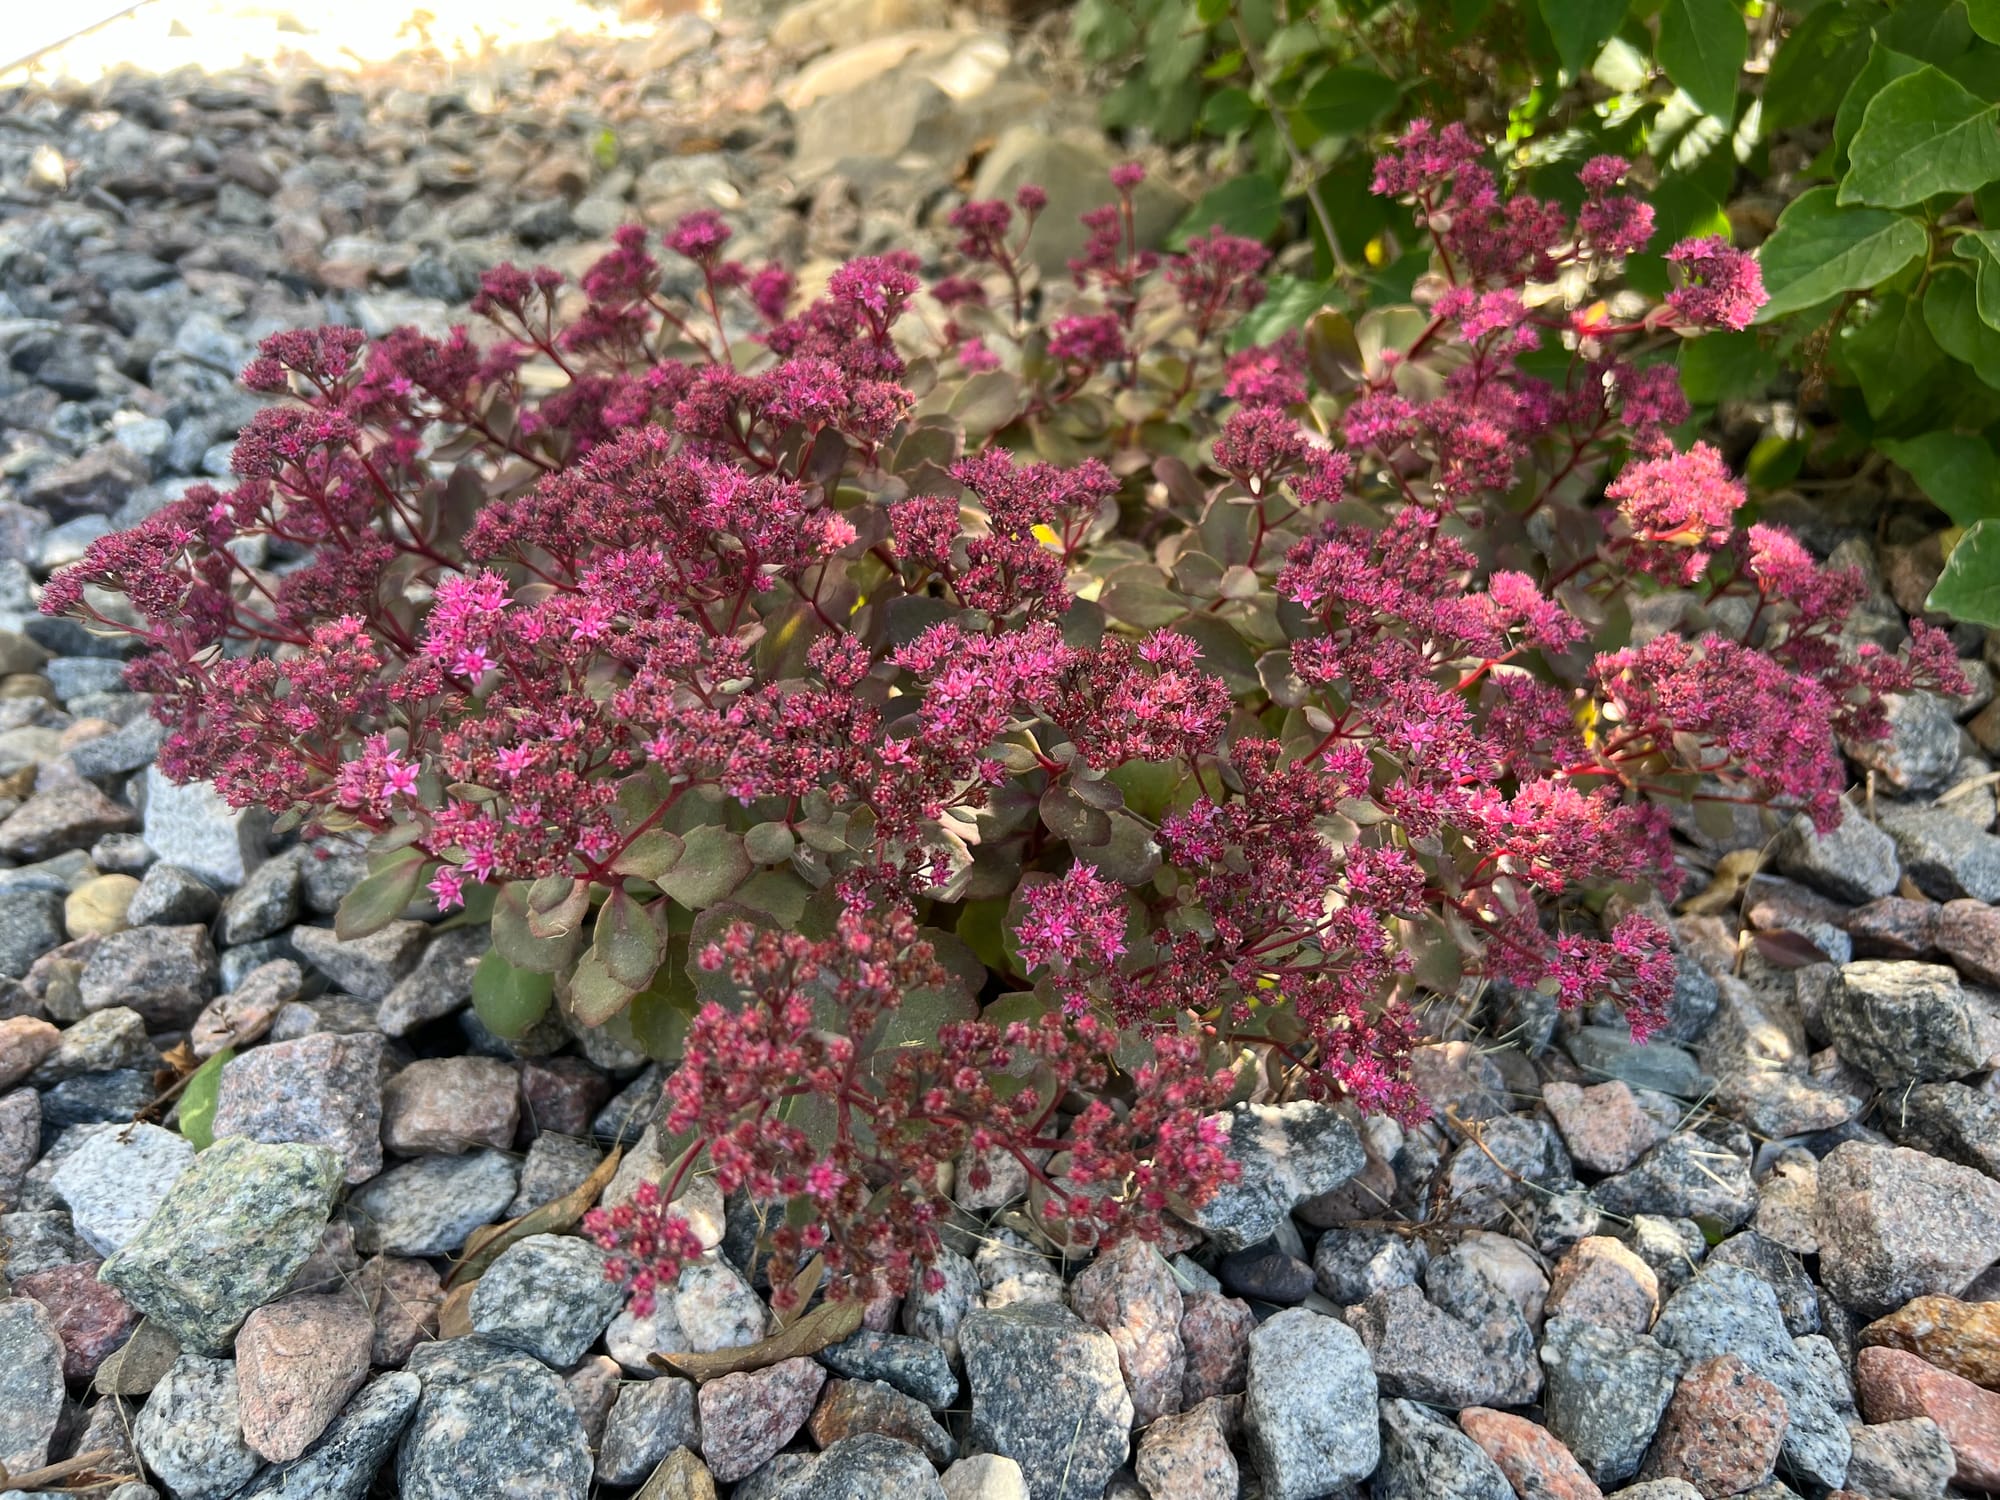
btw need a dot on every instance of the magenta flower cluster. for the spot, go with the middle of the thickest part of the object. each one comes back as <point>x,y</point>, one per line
<point>999,722</point>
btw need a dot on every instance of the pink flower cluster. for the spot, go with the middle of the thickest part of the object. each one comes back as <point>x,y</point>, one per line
<point>951,804</point>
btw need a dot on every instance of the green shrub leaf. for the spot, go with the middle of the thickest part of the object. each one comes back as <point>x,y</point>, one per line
<point>1985,16</point>
<point>381,895</point>
<point>1344,101</point>
<point>1982,248</point>
<point>712,864</point>
<point>1951,311</point>
<point>1821,249</point>
<point>1581,28</point>
<point>1925,133</point>
<point>1961,474</point>
<point>507,999</point>
<point>1817,63</point>
<point>1703,46</point>
<point>1250,206</point>
<point>1969,587</point>
<point>198,1100</point>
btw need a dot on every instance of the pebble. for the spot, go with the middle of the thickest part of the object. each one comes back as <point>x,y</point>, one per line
<point>190,1434</point>
<point>20,1142</point>
<point>748,1416</point>
<point>166,974</point>
<point>106,1041</point>
<point>1779,1269</point>
<point>912,1366</point>
<point>869,1466</point>
<point>1046,1392</point>
<point>1962,1337</point>
<point>297,1362</point>
<point>25,1041</point>
<point>1960,1124</point>
<point>266,902</point>
<point>1899,1021</point>
<point>848,1407</point>
<point>229,1235</point>
<point>560,1095</point>
<point>1130,1292</point>
<point>1686,1176</point>
<point>1188,1455</point>
<point>100,906</point>
<point>324,1090</point>
<point>65,817</point>
<point>91,1318</point>
<point>429,1206</point>
<point>403,1298</point>
<point>1854,863</point>
<point>1424,1354</point>
<point>343,1463</point>
<point>936,1315</point>
<point>1286,1154</point>
<point>191,826</point>
<point>985,1476</point>
<point>1906,1460</point>
<point>440,983</point>
<point>1309,1408</point>
<point>1601,1281</point>
<point>116,1178</point>
<point>546,1294</point>
<point>171,895</point>
<point>1460,1285</point>
<point>1894,1224</point>
<point>1895,1385</point>
<point>1350,1265</point>
<point>491,1422</point>
<point>1426,1458</point>
<point>448,1105</point>
<point>1265,1273</point>
<point>366,967</point>
<point>1531,1457</point>
<point>716,1308</point>
<point>1604,1126</point>
<point>1727,1310</point>
<point>1722,1430</point>
<point>1215,1342</point>
<point>647,1421</point>
<point>140,1363</point>
<point>31,1383</point>
<point>1605,1391</point>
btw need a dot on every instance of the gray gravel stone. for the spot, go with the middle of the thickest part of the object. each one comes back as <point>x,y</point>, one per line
<point>1960,1124</point>
<point>440,983</point>
<point>1895,1224</point>
<point>324,1090</point>
<point>429,1206</point>
<point>31,1383</point>
<point>1350,1265</point>
<point>366,967</point>
<point>869,1466</point>
<point>1426,1458</point>
<point>70,816</point>
<point>266,902</point>
<point>546,1294</point>
<point>31,923</point>
<point>1920,750</point>
<point>491,1422</point>
<point>1686,1176</point>
<point>1609,1052</point>
<point>1468,1286</point>
<point>193,827</point>
<point>1287,1153</point>
<point>1856,862</point>
<point>910,1365</point>
<point>114,1181</point>
<point>228,1237</point>
<point>104,1041</point>
<point>1903,1460</point>
<point>1726,1310</point>
<point>167,974</point>
<point>1047,1393</point>
<point>343,1463</point>
<point>1423,1354</point>
<point>1901,1022</point>
<point>171,896</point>
<point>97,1097</point>
<point>1605,1392</point>
<point>1309,1412</point>
<point>189,1433</point>
<point>649,1419</point>
<point>1945,855</point>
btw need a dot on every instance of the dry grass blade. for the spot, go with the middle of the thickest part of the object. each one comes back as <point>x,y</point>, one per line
<point>826,1324</point>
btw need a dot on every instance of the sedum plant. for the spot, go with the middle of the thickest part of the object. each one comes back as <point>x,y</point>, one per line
<point>955,720</point>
